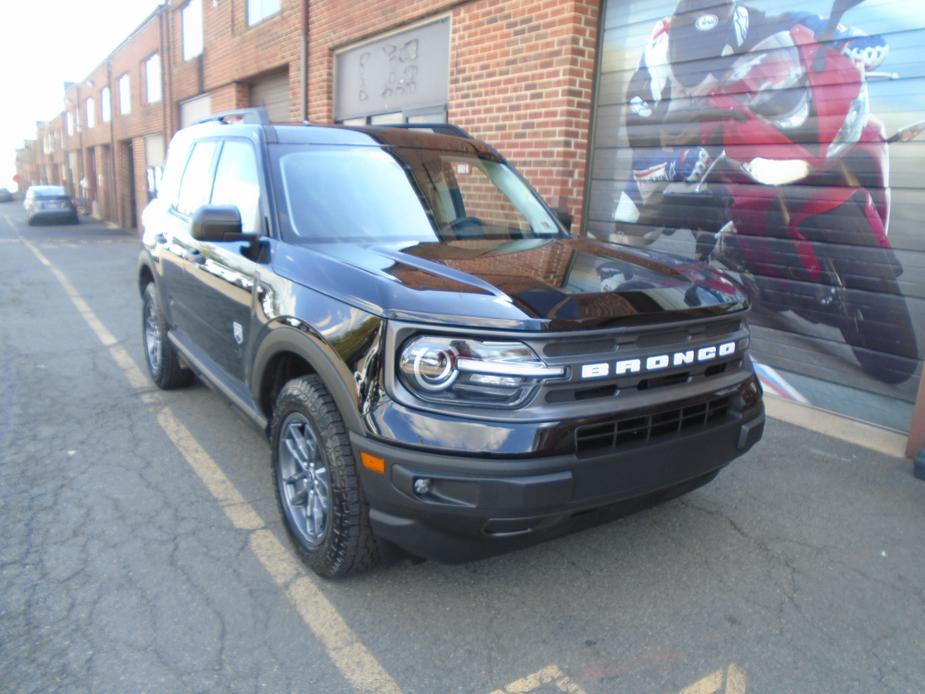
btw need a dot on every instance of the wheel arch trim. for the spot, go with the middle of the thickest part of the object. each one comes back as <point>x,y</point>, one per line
<point>323,360</point>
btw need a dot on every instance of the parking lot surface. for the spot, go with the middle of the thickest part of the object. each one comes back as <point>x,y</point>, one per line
<point>142,549</point>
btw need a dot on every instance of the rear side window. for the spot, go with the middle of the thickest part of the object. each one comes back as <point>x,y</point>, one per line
<point>237,182</point>
<point>196,185</point>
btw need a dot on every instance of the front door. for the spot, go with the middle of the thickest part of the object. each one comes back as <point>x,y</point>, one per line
<point>180,252</point>
<point>224,277</point>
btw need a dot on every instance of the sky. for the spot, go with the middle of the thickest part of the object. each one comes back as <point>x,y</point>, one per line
<point>45,43</point>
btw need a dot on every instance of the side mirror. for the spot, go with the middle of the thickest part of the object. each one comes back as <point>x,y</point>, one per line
<point>564,217</point>
<point>219,223</point>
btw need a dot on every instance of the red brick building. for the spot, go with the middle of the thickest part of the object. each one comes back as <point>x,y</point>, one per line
<point>520,75</point>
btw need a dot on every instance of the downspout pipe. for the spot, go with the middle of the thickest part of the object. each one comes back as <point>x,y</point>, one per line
<point>113,178</point>
<point>303,66</point>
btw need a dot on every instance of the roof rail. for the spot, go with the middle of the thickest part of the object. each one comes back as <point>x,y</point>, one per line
<point>256,116</point>
<point>439,128</point>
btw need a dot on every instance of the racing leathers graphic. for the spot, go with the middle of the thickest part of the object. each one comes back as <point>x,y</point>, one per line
<point>684,59</point>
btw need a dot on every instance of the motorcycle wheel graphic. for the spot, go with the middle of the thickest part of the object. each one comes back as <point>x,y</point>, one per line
<point>868,306</point>
<point>858,291</point>
<point>878,328</point>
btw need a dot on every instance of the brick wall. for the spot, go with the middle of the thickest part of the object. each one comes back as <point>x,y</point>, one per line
<point>234,54</point>
<point>521,76</point>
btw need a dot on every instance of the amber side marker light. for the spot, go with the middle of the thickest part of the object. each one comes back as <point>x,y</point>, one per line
<point>371,462</point>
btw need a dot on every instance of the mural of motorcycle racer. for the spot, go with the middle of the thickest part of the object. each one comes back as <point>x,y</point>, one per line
<point>756,129</point>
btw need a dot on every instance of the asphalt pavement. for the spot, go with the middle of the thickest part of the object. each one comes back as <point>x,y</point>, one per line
<point>801,568</point>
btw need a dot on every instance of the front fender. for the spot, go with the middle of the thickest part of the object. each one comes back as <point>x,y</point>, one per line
<point>297,338</point>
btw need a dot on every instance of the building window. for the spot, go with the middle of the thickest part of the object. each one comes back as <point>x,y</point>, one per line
<point>125,95</point>
<point>70,123</point>
<point>258,10</point>
<point>153,79</point>
<point>401,77</point>
<point>91,112</point>
<point>154,163</point>
<point>191,18</point>
<point>106,104</point>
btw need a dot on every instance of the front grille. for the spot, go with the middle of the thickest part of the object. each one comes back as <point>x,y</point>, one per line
<point>641,428</point>
<point>671,336</point>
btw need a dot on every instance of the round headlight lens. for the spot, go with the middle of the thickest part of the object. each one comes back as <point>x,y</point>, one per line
<point>430,364</point>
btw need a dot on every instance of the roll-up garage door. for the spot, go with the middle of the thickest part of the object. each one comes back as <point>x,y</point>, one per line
<point>272,93</point>
<point>786,148</point>
<point>195,109</point>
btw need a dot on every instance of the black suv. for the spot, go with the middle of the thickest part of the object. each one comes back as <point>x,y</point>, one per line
<point>437,363</point>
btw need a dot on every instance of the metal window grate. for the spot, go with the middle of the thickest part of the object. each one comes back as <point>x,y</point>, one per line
<point>639,429</point>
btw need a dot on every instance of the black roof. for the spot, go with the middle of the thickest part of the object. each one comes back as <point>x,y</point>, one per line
<point>442,136</point>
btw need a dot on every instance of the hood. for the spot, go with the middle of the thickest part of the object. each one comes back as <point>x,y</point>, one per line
<point>535,284</point>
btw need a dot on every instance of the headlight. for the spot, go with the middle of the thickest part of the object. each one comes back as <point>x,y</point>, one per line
<point>776,172</point>
<point>473,372</point>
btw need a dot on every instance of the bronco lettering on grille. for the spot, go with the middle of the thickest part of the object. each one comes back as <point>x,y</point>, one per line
<point>658,361</point>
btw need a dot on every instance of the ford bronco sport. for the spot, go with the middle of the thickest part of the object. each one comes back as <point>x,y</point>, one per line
<point>437,363</point>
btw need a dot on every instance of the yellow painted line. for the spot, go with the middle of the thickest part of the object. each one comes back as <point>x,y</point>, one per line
<point>837,426</point>
<point>735,680</point>
<point>713,683</point>
<point>548,675</point>
<point>710,684</point>
<point>355,662</point>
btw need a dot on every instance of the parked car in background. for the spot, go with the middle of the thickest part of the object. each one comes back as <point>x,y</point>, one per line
<point>5,195</point>
<point>49,203</point>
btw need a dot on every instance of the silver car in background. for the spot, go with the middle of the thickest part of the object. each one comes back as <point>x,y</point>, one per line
<point>49,203</point>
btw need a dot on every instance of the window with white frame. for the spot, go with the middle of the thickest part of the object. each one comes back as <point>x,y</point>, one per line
<point>106,104</point>
<point>69,117</point>
<point>91,112</point>
<point>125,95</point>
<point>191,18</point>
<point>258,10</point>
<point>153,79</point>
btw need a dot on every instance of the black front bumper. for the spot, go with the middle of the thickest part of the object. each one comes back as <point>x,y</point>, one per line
<point>477,507</point>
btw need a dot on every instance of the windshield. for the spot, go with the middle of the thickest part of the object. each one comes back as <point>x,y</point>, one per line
<point>47,191</point>
<point>364,194</point>
<point>771,81</point>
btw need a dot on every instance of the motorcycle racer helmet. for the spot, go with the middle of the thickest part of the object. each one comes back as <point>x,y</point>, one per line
<point>703,39</point>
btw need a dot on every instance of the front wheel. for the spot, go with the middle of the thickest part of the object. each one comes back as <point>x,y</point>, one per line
<point>316,482</point>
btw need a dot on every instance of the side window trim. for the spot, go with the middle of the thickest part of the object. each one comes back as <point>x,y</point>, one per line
<point>189,156</point>
<point>264,221</point>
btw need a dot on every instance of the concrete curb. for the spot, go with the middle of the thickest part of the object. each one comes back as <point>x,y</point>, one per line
<point>870,436</point>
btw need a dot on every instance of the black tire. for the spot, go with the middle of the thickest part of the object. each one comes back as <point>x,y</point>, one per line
<point>870,311</point>
<point>346,544</point>
<point>164,367</point>
<point>880,332</point>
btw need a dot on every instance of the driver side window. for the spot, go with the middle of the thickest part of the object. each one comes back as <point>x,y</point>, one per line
<point>197,178</point>
<point>237,183</point>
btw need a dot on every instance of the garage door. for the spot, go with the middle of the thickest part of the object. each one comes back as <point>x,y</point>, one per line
<point>195,109</point>
<point>758,136</point>
<point>273,94</point>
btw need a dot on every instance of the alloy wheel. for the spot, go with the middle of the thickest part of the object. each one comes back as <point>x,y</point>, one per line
<point>303,478</point>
